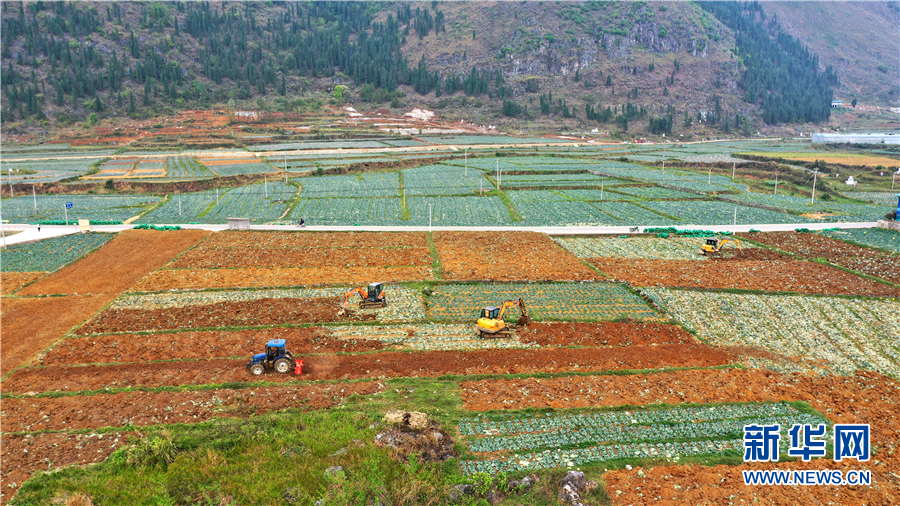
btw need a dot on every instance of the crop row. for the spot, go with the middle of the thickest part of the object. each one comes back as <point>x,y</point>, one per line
<point>457,211</point>
<point>49,254</point>
<point>629,433</point>
<point>881,198</point>
<point>185,166</point>
<point>576,457</point>
<point>207,207</point>
<point>704,212</point>
<point>405,304</point>
<point>552,301</point>
<point>876,237</point>
<point>349,211</point>
<point>243,168</point>
<point>316,145</point>
<point>529,442</point>
<point>652,248</point>
<point>359,185</point>
<point>842,334</point>
<point>93,207</point>
<point>443,180</point>
<point>46,171</point>
<point>512,424</point>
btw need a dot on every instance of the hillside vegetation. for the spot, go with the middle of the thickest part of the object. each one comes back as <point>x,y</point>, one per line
<point>637,67</point>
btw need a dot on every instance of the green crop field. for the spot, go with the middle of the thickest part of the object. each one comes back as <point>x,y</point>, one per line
<point>835,334</point>
<point>524,442</point>
<point>443,180</point>
<point>551,301</point>
<point>243,202</point>
<point>50,254</point>
<point>876,237</point>
<point>361,185</point>
<point>86,207</point>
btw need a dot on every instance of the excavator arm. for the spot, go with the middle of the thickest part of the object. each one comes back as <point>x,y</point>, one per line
<point>523,318</point>
<point>360,290</point>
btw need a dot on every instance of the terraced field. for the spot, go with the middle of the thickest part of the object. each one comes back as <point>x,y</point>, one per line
<point>641,366</point>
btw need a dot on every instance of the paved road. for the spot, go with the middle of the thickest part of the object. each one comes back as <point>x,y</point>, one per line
<point>29,233</point>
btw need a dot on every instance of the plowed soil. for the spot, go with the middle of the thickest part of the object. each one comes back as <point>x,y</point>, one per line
<point>507,256</point>
<point>266,311</point>
<point>150,408</point>
<point>866,260</point>
<point>12,281</point>
<point>864,398</point>
<point>603,334</point>
<point>778,276</point>
<point>197,345</point>
<point>32,324</point>
<point>370,365</point>
<point>267,258</point>
<point>197,279</point>
<point>355,241</point>
<point>118,264</point>
<point>22,456</point>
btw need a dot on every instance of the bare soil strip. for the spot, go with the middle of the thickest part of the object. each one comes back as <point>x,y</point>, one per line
<point>117,265</point>
<point>371,365</point>
<point>791,276</point>
<point>12,281</point>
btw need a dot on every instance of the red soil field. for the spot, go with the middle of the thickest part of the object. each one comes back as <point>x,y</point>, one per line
<point>604,334</point>
<point>268,258</point>
<point>511,256</point>
<point>198,279</point>
<point>863,398</point>
<point>791,276</point>
<point>151,408</point>
<point>30,325</point>
<point>12,281</point>
<point>385,364</point>
<point>251,240</point>
<point>198,345</point>
<point>238,313</point>
<point>118,264</point>
<point>22,456</point>
<point>866,260</point>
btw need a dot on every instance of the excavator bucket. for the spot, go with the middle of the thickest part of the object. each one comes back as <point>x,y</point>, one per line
<point>524,319</point>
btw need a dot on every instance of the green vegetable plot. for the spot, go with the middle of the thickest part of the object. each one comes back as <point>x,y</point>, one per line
<point>458,211</point>
<point>384,184</point>
<point>243,202</point>
<point>837,334</point>
<point>340,211</point>
<point>443,180</point>
<point>573,439</point>
<point>550,301</point>
<point>185,167</point>
<point>876,237</point>
<point>651,248</point>
<point>85,207</point>
<point>50,254</point>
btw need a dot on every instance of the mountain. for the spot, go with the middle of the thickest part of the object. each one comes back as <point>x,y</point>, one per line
<point>640,67</point>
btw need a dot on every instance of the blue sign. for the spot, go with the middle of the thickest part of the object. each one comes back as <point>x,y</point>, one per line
<point>69,205</point>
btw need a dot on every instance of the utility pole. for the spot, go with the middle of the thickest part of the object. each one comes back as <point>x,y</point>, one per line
<point>815,176</point>
<point>734,224</point>
<point>2,231</point>
<point>429,218</point>
<point>217,196</point>
<point>467,161</point>
<point>266,184</point>
<point>601,189</point>
<point>733,167</point>
<point>34,195</point>
<point>776,184</point>
<point>11,194</point>
<point>179,204</point>
<point>498,174</point>
<point>709,176</point>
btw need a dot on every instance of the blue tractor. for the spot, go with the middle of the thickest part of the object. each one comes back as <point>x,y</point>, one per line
<point>276,356</point>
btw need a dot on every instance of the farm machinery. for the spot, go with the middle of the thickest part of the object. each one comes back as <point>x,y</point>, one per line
<point>714,246</point>
<point>276,357</point>
<point>370,297</point>
<point>491,323</point>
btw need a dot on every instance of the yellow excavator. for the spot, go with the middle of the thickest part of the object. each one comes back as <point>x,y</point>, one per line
<point>490,321</point>
<point>370,297</point>
<point>714,246</point>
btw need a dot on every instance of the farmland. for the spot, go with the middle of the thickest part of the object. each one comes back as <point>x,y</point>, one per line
<point>641,352</point>
<point>85,207</point>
